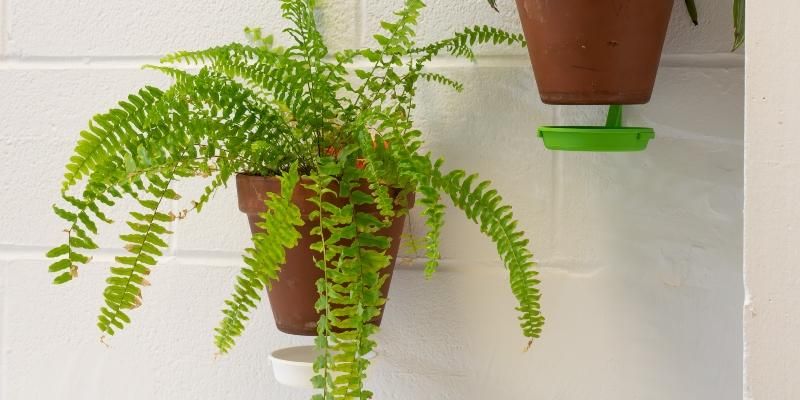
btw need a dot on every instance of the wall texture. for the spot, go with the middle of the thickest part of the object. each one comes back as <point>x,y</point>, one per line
<point>640,253</point>
<point>772,356</point>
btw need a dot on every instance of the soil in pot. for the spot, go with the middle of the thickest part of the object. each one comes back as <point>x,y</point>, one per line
<point>595,51</point>
<point>293,295</point>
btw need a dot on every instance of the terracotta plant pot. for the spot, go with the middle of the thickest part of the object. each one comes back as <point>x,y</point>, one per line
<point>293,295</point>
<point>595,51</point>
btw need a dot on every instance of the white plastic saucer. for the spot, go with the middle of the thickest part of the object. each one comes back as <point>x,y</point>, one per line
<point>294,366</point>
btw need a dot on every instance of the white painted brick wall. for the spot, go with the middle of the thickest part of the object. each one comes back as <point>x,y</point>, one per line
<point>640,252</point>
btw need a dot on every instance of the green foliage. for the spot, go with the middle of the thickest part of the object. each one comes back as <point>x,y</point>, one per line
<point>738,23</point>
<point>322,121</point>
<point>263,260</point>
<point>692,8</point>
<point>738,20</point>
<point>353,259</point>
<point>144,245</point>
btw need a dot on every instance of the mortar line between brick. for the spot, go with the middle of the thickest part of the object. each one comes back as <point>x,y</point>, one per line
<point>233,259</point>
<point>563,267</point>
<point>723,60</point>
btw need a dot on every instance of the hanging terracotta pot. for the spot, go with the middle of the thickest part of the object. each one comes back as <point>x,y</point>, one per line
<point>595,51</point>
<point>294,294</point>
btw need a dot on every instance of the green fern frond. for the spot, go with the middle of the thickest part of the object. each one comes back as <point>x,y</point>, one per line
<point>443,80</point>
<point>738,23</point>
<point>264,259</point>
<point>303,29</point>
<point>103,137</point>
<point>462,43</point>
<point>434,218</point>
<point>350,292</point>
<point>484,207</point>
<point>145,244</point>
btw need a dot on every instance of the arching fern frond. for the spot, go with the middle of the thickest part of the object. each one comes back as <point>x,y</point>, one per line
<point>462,43</point>
<point>443,80</point>
<point>107,135</point>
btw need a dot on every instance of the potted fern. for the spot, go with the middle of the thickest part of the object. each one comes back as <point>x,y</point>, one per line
<point>327,162</point>
<point>595,52</point>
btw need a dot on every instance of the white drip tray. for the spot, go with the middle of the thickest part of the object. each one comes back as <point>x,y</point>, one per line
<point>294,366</point>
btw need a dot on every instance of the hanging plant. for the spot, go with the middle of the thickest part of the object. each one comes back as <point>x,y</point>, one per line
<point>333,147</point>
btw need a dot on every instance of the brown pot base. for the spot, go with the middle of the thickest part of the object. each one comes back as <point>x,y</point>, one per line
<point>294,294</point>
<point>594,98</point>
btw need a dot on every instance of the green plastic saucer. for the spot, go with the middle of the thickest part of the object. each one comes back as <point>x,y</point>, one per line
<point>609,138</point>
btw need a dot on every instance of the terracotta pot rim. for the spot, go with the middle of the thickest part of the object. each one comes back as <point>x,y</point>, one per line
<point>273,184</point>
<point>275,178</point>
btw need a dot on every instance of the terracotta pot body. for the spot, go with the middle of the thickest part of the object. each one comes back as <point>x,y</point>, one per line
<point>293,295</point>
<point>595,51</point>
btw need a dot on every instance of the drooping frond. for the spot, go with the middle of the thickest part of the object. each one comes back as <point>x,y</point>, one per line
<point>354,257</point>
<point>264,259</point>
<point>434,219</point>
<point>144,244</point>
<point>484,206</point>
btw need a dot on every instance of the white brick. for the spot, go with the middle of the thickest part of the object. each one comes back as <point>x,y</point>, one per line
<point>465,341</point>
<point>714,34</point>
<point>42,113</point>
<point>702,103</point>
<point>681,105</point>
<point>169,344</point>
<point>152,28</point>
<point>678,202</point>
<point>481,131</point>
<point>219,227</point>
